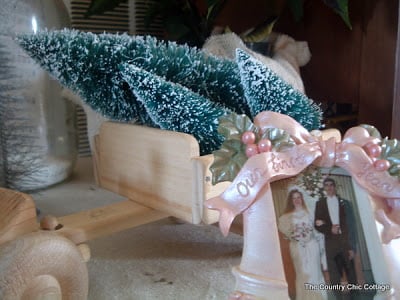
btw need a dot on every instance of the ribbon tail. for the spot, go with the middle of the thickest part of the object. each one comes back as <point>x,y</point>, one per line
<point>391,230</point>
<point>226,215</point>
<point>353,159</point>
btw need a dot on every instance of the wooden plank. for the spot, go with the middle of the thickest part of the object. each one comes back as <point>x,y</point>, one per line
<point>105,220</point>
<point>151,166</point>
<point>205,189</point>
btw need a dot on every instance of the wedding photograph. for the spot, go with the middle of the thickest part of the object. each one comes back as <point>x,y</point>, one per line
<point>323,244</point>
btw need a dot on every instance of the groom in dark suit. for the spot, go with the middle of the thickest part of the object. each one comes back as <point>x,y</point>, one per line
<point>334,218</point>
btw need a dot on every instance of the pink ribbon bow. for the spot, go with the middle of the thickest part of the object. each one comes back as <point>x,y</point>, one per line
<point>266,167</point>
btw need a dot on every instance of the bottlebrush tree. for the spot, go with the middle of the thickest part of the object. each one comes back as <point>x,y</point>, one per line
<point>108,71</point>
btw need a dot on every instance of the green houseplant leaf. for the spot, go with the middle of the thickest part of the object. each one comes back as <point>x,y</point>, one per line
<point>341,7</point>
<point>214,7</point>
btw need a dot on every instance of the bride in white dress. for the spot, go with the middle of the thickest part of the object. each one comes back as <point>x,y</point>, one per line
<point>297,225</point>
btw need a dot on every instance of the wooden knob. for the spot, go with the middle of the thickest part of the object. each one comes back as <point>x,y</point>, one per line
<point>49,223</point>
<point>85,251</point>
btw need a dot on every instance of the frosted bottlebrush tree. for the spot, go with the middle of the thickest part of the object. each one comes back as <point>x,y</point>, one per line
<point>110,72</point>
<point>175,107</point>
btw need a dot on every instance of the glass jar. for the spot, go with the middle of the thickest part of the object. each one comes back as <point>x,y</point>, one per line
<point>38,141</point>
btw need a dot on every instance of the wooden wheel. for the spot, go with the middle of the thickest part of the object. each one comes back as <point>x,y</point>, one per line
<point>17,215</point>
<point>42,265</point>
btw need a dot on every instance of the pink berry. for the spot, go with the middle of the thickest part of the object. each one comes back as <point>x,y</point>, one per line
<point>251,149</point>
<point>264,145</point>
<point>382,165</point>
<point>373,150</point>
<point>248,137</point>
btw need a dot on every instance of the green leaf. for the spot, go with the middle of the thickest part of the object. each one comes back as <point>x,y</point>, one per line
<point>391,152</point>
<point>341,7</point>
<point>212,2</point>
<point>231,157</point>
<point>394,170</point>
<point>371,130</point>
<point>214,8</point>
<point>228,161</point>
<point>390,148</point>
<point>261,32</point>
<point>232,126</point>
<point>279,138</point>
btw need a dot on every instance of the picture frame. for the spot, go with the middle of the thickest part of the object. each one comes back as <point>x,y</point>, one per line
<point>373,179</point>
<point>374,274</point>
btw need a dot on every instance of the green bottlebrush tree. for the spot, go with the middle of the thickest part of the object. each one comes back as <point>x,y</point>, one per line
<point>264,90</point>
<point>174,107</point>
<point>88,64</point>
<point>97,66</point>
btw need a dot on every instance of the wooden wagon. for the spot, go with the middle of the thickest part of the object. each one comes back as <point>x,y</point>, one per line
<point>159,172</point>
